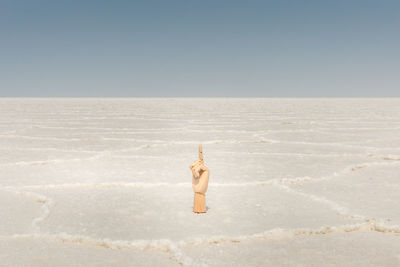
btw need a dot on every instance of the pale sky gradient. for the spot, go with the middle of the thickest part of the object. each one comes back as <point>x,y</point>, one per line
<point>207,48</point>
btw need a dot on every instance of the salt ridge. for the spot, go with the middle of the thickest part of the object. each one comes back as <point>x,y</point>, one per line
<point>175,248</point>
<point>283,181</point>
<point>165,143</point>
<point>168,246</point>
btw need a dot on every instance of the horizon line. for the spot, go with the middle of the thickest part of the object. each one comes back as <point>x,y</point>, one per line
<point>183,97</point>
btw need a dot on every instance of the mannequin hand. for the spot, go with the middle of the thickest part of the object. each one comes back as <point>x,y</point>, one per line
<point>198,169</point>
<point>200,176</point>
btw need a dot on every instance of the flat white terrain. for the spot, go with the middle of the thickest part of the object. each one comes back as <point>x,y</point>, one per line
<point>106,182</point>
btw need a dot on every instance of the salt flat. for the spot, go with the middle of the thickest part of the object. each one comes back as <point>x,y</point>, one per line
<point>106,182</point>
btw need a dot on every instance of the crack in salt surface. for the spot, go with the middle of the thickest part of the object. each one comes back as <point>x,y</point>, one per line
<point>261,139</point>
<point>341,210</point>
<point>168,246</point>
<point>370,225</point>
<point>46,204</point>
<point>283,181</point>
<point>280,183</point>
<point>175,248</point>
<point>161,245</point>
<point>47,162</point>
<point>110,153</point>
<point>164,143</point>
<point>352,168</point>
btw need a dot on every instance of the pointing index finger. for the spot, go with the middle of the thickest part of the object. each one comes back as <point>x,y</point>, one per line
<point>201,153</point>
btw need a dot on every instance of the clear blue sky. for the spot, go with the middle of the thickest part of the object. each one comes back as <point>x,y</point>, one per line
<point>200,48</point>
